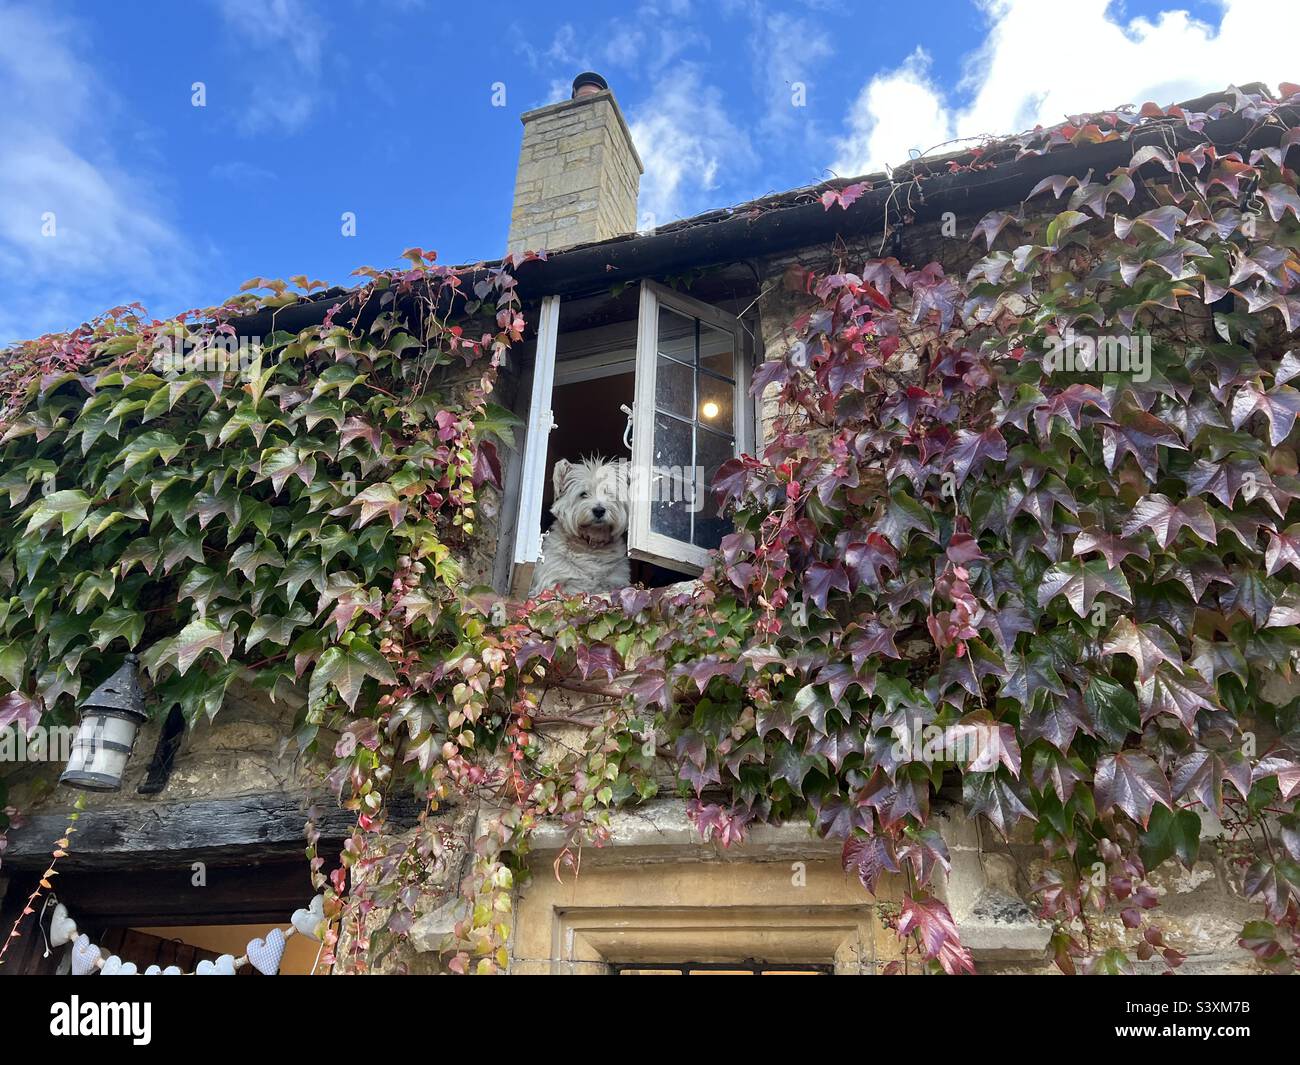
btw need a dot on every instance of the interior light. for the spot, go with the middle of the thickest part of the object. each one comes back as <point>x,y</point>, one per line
<point>709,409</point>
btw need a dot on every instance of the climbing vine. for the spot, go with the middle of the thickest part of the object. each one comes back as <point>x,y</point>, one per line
<point>1023,539</point>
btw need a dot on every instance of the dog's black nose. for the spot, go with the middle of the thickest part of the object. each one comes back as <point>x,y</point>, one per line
<point>597,512</point>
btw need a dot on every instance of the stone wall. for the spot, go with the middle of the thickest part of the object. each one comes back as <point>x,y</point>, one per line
<point>246,749</point>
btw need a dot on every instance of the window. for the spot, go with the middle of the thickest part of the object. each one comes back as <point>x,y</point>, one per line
<point>652,378</point>
<point>691,415</point>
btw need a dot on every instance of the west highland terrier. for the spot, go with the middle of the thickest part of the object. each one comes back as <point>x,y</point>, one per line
<point>585,550</point>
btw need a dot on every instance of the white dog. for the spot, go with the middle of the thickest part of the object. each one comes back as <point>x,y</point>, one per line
<point>585,550</point>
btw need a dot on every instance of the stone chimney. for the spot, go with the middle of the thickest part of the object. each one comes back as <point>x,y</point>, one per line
<point>579,172</point>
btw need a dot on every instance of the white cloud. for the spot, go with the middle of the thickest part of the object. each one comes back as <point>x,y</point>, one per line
<point>685,139</point>
<point>897,113</point>
<point>79,232</point>
<point>240,172</point>
<point>289,39</point>
<point>779,69</point>
<point>1041,62</point>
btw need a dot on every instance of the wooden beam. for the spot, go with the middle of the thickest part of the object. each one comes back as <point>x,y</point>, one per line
<point>245,894</point>
<point>149,835</point>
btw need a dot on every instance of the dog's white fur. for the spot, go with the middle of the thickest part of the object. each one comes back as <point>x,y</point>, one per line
<point>585,550</point>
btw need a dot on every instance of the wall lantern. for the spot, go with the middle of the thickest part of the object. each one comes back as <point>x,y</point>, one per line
<point>110,718</point>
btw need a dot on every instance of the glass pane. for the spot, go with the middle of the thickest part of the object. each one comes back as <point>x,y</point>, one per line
<point>714,450</point>
<point>714,411</point>
<point>716,351</point>
<point>674,387</point>
<point>670,510</point>
<point>676,336</point>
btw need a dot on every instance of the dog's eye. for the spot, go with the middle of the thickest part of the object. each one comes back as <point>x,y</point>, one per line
<point>583,495</point>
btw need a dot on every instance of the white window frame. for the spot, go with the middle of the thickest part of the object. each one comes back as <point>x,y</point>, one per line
<point>643,542</point>
<point>528,527</point>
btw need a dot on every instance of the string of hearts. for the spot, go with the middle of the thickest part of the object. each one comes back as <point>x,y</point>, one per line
<point>262,954</point>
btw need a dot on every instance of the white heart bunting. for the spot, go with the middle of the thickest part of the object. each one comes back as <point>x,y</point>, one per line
<point>265,954</point>
<point>223,966</point>
<point>308,921</point>
<point>115,966</point>
<point>63,929</point>
<point>84,956</point>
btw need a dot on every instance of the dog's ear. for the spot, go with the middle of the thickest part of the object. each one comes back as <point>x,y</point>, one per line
<point>560,474</point>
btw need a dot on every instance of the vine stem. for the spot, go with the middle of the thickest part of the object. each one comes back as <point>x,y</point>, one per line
<point>60,849</point>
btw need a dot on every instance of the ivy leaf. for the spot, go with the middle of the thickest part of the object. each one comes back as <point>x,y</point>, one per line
<point>1165,519</point>
<point>1081,583</point>
<point>1176,693</point>
<point>346,669</point>
<point>1056,720</point>
<point>991,225</point>
<point>1132,782</point>
<point>117,621</point>
<point>811,704</point>
<point>13,663</point>
<point>1112,548</point>
<point>1163,220</point>
<point>1148,645</point>
<point>70,506</point>
<point>650,689</point>
<point>1283,550</point>
<point>249,558</point>
<point>791,764</point>
<point>1279,405</point>
<point>820,578</point>
<point>1113,710</point>
<point>1200,775</point>
<point>21,709</point>
<point>933,924</point>
<point>868,560</point>
<point>1171,834</point>
<point>199,637</point>
<point>1141,435</point>
<point>379,499</point>
<point>1280,198</point>
<point>1032,675</point>
<point>987,794</point>
<point>275,629</point>
<point>970,451</point>
<point>1006,623</point>
<point>869,858</point>
<point>148,446</point>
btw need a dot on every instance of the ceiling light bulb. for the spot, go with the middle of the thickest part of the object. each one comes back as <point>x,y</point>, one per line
<point>709,409</point>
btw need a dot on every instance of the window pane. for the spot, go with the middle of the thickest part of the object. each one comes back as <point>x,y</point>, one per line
<point>670,512</point>
<point>714,411</point>
<point>713,450</point>
<point>676,336</point>
<point>675,388</point>
<point>716,354</point>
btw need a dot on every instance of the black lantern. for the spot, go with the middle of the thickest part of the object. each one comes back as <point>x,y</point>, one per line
<point>110,718</point>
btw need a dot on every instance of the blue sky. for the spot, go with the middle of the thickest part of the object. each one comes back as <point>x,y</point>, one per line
<point>115,187</point>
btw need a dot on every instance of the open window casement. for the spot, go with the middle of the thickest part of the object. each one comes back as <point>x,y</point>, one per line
<point>691,416</point>
<point>528,529</point>
<point>684,368</point>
